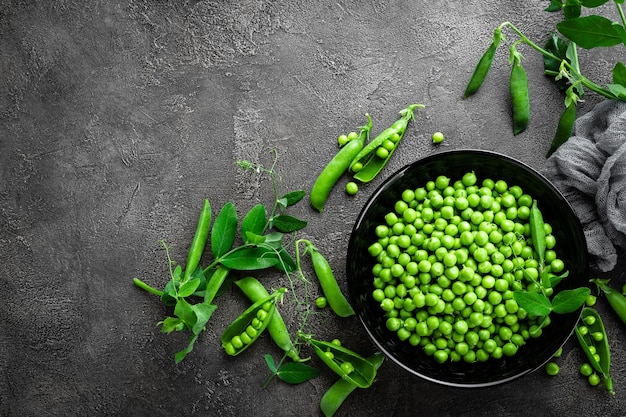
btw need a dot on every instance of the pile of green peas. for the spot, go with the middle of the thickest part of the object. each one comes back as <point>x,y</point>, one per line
<point>448,260</point>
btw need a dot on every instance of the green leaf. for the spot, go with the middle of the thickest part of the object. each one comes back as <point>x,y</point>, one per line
<point>253,223</point>
<point>617,89</point>
<point>592,31</point>
<point>296,372</point>
<point>189,287</point>
<point>184,310</point>
<point>555,6</point>
<point>253,238</point>
<point>286,262</point>
<point>269,360</point>
<point>619,74</point>
<point>171,324</point>
<point>247,258</point>
<point>224,230</point>
<point>288,224</point>
<point>203,313</point>
<point>183,353</point>
<point>533,302</point>
<point>593,3</point>
<point>291,198</point>
<point>568,301</point>
<point>555,279</point>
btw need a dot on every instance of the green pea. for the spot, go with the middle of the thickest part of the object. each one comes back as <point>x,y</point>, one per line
<point>352,188</point>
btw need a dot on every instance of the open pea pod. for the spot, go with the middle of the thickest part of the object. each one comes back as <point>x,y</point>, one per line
<point>592,321</point>
<point>350,366</point>
<point>375,155</point>
<point>341,389</point>
<point>246,328</point>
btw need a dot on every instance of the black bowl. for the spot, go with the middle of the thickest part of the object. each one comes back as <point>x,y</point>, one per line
<point>571,248</point>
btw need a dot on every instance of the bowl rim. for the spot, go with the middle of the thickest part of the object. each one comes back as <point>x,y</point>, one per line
<point>382,187</point>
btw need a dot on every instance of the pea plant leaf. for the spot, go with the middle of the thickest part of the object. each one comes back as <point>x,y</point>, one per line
<point>224,230</point>
<point>287,224</point>
<point>296,372</point>
<point>568,301</point>
<point>189,287</point>
<point>291,198</point>
<point>291,372</point>
<point>619,81</point>
<point>203,313</point>
<point>593,3</point>
<point>533,302</point>
<point>592,31</point>
<point>253,223</point>
<point>557,47</point>
<point>247,258</point>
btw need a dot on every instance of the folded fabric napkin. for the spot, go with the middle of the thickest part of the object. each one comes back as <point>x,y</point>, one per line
<point>590,170</point>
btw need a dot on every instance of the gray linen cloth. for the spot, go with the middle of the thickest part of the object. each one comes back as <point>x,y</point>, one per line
<point>590,170</point>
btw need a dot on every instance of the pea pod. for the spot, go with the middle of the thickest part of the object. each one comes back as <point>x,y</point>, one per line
<point>586,341</point>
<point>520,101</point>
<point>246,328</point>
<point>360,371</point>
<point>537,232</point>
<point>340,390</point>
<point>199,240</point>
<point>335,298</point>
<point>370,161</point>
<point>255,291</point>
<point>337,166</point>
<point>564,128</point>
<point>616,299</point>
<point>481,70</point>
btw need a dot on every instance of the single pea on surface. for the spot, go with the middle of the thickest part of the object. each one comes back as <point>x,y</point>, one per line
<point>321,302</point>
<point>552,368</point>
<point>352,188</point>
<point>438,137</point>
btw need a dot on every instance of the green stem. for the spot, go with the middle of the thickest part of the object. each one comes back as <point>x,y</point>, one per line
<point>146,287</point>
<point>621,13</point>
<point>584,80</point>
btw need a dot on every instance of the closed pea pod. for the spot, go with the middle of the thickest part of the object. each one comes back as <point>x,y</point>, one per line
<point>349,365</point>
<point>199,240</point>
<point>336,167</point>
<point>334,397</point>
<point>520,101</point>
<point>616,299</point>
<point>564,128</point>
<point>233,340</point>
<point>596,348</point>
<point>335,298</point>
<point>482,69</point>
<point>276,327</point>
<point>371,158</point>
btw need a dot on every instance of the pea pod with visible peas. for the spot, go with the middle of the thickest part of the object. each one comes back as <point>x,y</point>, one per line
<point>592,338</point>
<point>246,328</point>
<point>375,155</point>
<point>334,297</point>
<point>520,101</point>
<point>616,299</point>
<point>349,365</point>
<point>337,166</point>
<point>256,292</point>
<point>340,390</point>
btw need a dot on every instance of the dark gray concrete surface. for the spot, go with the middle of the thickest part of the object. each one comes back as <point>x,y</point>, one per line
<point>118,117</point>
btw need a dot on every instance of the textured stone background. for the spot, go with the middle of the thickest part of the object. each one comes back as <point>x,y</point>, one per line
<point>118,117</point>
